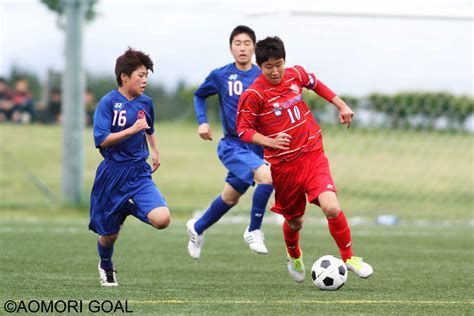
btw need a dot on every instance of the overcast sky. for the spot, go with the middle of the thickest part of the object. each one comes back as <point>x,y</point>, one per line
<point>187,39</point>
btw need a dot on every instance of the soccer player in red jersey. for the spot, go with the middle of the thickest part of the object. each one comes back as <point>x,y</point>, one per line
<point>272,113</point>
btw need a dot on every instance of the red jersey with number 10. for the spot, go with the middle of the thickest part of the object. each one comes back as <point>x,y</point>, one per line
<point>272,109</point>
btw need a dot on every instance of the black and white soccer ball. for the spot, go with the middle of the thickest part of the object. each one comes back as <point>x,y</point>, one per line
<point>329,273</point>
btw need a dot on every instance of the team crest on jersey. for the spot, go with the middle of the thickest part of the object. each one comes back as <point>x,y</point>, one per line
<point>277,109</point>
<point>294,87</point>
<point>118,105</point>
<point>233,77</point>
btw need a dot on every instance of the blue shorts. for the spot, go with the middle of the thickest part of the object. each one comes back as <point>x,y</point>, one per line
<point>240,159</point>
<point>114,185</point>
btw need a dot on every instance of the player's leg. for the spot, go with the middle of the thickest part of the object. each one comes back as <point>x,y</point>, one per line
<point>290,201</point>
<point>321,191</point>
<point>253,234</point>
<point>160,217</point>
<point>291,234</point>
<point>149,206</point>
<point>221,205</point>
<point>261,195</point>
<point>105,247</point>
<point>337,222</point>
<point>106,217</point>
<point>340,231</point>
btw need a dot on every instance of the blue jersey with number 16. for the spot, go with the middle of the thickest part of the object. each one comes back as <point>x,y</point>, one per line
<point>114,114</point>
<point>229,83</point>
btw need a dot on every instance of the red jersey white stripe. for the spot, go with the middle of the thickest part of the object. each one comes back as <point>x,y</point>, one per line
<point>272,109</point>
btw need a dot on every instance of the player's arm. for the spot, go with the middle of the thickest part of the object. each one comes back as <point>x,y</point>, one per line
<point>281,141</point>
<point>103,137</point>
<point>115,138</point>
<point>206,89</point>
<point>345,112</point>
<point>155,151</point>
<point>247,109</point>
<point>310,81</point>
<point>204,129</point>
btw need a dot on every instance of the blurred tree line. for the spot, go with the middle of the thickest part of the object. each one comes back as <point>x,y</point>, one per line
<point>407,109</point>
<point>423,110</point>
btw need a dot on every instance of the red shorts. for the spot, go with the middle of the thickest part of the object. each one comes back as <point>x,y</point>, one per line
<point>307,175</point>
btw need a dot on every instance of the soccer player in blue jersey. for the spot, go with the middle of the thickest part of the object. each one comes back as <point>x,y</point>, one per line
<point>243,161</point>
<point>123,125</point>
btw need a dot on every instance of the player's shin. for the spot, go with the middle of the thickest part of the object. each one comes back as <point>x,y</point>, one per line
<point>215,211</point>
<point>291,240</point>
<point>339,229</point>
<point>105,255</point>
<point>260,199</point>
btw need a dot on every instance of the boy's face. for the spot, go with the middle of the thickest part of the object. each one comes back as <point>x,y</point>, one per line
<point>136,83</point>
<point>21,86</point>
<point>273,70</point>
<point>242,49</point>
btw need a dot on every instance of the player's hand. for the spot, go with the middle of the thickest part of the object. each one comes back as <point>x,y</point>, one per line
<point>139,125</point>
<point>345,115</point>
<point>281,141</point>
<point>155,160</point>
<point>204,131</point>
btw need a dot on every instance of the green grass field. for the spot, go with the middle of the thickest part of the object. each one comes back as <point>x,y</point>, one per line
<point>414,175</point>
<point>423,265</point>
<point>418,269</point>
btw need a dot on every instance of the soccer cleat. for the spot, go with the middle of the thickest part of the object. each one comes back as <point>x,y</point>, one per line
<point>296,268</point>
<point>359,267</point>
<point>196,241</point>
<point>255,239</point>
<point>107,278</point>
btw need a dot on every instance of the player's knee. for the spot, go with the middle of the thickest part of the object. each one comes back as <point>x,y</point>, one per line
<point>160,218</point>
<point>160,223</point>
<point>331,211</point>
<point>266,179</point>
<point>263,175</point>
<point>108,241</point>
<point>230,200</point>
<point>296,225</point>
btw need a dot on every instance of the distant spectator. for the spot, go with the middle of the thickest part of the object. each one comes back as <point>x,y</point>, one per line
<point>23,107</point>
<point>6,101</point>
<point>51,113</point>
<point>91,104</point>
<point>54,105</point>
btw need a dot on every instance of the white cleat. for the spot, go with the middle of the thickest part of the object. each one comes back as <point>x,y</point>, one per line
<point>296,268</point>
<point>196,241</point>
<point>256,239</point>
<point>359,267</point>
<point>107,278</point>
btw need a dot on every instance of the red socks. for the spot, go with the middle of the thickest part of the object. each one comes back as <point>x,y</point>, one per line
<point>341,233</point>
<point>291,240</point>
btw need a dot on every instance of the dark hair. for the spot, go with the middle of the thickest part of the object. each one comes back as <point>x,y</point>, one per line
<point>269,48</point>
<point>129,62</point>
<point>242,29</point>
<point>55,90</point>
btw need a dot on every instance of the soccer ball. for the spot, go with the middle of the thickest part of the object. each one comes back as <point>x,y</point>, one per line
<point>329,273</point>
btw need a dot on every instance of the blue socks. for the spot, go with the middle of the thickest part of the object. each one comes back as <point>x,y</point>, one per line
<point>105,255</point>
<point>217,209</point>
<point>260,199</point>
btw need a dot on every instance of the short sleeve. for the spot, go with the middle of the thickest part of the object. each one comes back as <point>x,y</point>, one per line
<point>102,122</point>
<point>308,80</point>
<point>151,120</point>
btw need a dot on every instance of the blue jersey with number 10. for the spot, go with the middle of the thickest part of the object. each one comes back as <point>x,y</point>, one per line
<point>229,83</point>
<point>114,114</point>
